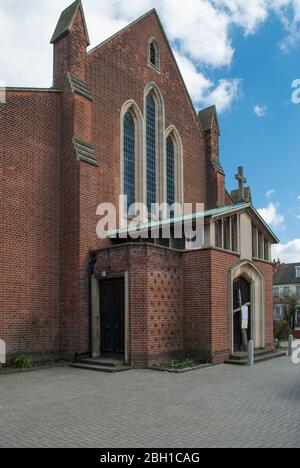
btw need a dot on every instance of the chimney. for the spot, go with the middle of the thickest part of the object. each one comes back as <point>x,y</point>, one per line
<point>216,194</point>
<point>70,41</point>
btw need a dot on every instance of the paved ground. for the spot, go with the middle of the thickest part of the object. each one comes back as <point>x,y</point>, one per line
<point>222,406</point>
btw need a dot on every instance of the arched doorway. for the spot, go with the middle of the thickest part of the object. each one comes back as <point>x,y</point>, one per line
<point>241,296</point>
<point>251,282</point>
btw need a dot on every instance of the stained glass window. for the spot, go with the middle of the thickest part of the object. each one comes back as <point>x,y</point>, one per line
<point>129,158</point>
<point>170,172</point>
<point>151,151</point>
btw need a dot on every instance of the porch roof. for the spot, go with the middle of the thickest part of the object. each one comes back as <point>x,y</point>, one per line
<point>216,212</point>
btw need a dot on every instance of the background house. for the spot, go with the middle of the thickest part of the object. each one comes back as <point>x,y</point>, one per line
<point>286,286</point>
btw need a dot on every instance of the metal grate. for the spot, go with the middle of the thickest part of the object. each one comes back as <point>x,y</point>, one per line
<point>129,159</point>
<point>151,151</point>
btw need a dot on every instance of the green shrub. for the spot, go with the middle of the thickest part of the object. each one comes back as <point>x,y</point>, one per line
<point>281,331</point>
<point>181,364</point>
<point>22,362</point>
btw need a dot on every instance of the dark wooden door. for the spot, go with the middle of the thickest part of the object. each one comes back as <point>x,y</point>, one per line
<point>241,284</point>
<point>112,315</point>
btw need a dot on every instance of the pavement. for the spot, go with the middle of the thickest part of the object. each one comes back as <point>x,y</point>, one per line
<point>223,406</point>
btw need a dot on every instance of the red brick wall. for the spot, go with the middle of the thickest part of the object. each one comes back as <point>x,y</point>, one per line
<point>118,71</point>
<point>79,181</point>
<point>29,213</point>
<point>197,300</point>
<point>221,264</point>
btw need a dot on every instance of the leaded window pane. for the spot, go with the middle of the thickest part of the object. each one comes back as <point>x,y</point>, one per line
<point>170,172</point>
<point>151,151</point>
<point>129,159</point>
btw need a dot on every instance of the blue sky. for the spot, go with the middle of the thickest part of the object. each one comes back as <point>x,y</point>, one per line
<point>268,146</point>
<point>240,55</point>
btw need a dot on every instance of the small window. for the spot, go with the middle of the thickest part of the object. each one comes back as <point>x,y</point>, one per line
<point>254,241</point>
<point>226,233</point>
<point>218,234</point>
<point>298,272</point>
<point>276,292</point>
<point>234,234</point>
<point>298,318</point>
<point>287,292</point>
<point>260,245</point>
<point>154,55</point>
<point>298,291</point>
<point>266,250</point>
<point>278,313</point>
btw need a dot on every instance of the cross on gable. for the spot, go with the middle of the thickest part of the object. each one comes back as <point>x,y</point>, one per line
<point>242,181</point>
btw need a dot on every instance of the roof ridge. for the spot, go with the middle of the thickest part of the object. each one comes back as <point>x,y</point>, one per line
<point>132,23</point>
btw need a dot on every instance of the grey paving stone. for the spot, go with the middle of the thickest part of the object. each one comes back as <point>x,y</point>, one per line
<point>222,406</point>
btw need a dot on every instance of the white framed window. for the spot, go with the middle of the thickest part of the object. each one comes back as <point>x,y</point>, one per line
<point>276,292</point>
<point>297,271</point>
<point>154,54</point>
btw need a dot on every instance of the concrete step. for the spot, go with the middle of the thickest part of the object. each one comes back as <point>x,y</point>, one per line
<point>103,362</point>
<point>98,368</point>
<point>241,356</point>
<point>257,359</point>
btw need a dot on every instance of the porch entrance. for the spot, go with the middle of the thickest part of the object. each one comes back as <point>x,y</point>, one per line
<point>112,316</point>
<point>241,296</point>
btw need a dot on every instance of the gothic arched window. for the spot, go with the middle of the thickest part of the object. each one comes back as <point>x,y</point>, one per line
<point>151,150</point>
<point>129,158</point>
<point>154,54</point>
<point>170,171</point>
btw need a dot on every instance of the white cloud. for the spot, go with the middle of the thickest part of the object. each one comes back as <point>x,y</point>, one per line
<point>203,91</point>
<point>260,111</point>
<point>224,94</point>
<point>287,253</point>
<point>298,198</point>
<point>201,28</point>
<point>201,31</point>
<point>270,193</point>
<point>248,14</point>
<point>271,215</point>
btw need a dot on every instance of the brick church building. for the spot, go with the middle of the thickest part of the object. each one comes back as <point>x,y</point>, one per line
<point>119,120</point>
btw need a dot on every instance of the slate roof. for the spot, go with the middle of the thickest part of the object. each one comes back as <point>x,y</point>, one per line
<point>207,116</point>
<point>65,22</point>
<point>286,274</point>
